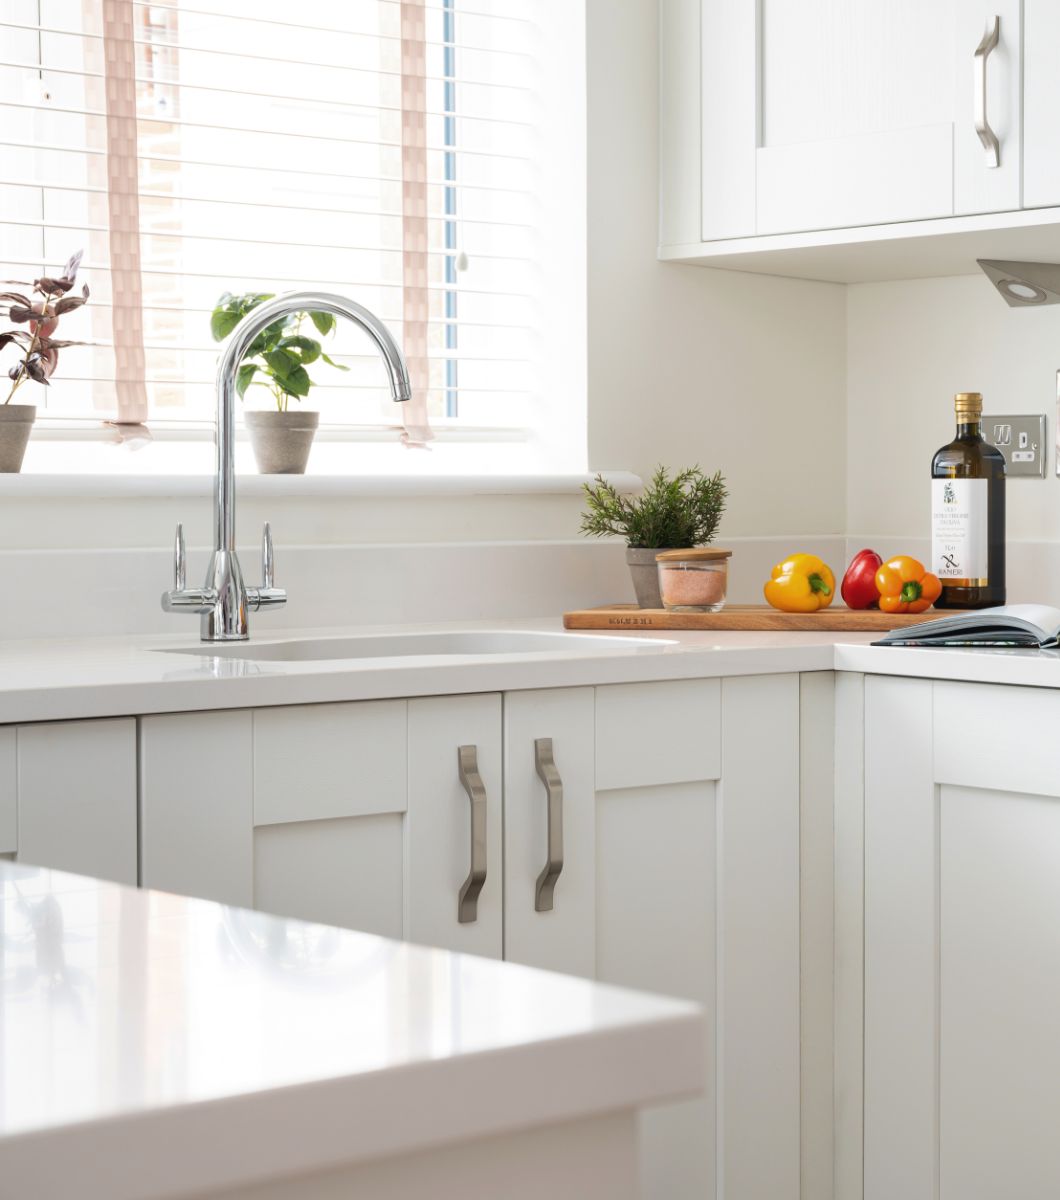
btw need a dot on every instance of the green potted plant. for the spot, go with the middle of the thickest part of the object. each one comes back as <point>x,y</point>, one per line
<point>277,360</point>
<point>38,350</point>
<point>670,514</point>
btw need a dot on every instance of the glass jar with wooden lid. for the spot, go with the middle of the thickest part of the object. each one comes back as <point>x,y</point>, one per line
<point>694,580</point>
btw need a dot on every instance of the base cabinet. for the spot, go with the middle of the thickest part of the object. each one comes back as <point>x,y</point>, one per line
<point>961,956</point>
<point>68,796</point>
<point>347,814</point>
<point>647,835</point>
<point>680,875</point>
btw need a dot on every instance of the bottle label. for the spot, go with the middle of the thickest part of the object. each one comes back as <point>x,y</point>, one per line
<point>959,546</point>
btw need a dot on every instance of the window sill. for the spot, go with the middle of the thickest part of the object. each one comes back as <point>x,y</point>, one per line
<point>85,464</point>
<point>39,484</point>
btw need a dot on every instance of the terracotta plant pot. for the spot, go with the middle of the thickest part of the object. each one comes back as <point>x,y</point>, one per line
<point>16,423</point>
<point>281,440</point>
<point>645,574</point>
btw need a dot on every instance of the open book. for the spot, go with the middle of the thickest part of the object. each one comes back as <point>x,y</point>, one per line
<point>1011,625</point>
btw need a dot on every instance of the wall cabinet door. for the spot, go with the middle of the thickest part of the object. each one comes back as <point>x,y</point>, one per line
<point>1041,104</point>
<point>68,796</point>
<point>962,904</point>
<point>348,814</point>
<point>680,875</point>
<point>824,114</point>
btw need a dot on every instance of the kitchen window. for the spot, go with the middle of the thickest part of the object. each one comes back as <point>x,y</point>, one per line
<point>424,157</point>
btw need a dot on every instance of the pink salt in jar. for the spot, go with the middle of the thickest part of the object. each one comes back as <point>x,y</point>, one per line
<point>693,580</point>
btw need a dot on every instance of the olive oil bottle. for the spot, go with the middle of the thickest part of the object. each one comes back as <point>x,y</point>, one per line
<point>968,513</point>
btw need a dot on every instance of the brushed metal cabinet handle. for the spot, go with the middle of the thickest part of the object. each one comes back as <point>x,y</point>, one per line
<point>991,146</point>
<point>550,777</point>
<point>467,904</point>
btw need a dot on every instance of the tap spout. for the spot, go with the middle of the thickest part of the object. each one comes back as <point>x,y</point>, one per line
<point>224,600</point>
<point>236,347</point>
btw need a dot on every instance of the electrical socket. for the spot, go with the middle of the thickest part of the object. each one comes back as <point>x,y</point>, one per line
<point>1021,439</point>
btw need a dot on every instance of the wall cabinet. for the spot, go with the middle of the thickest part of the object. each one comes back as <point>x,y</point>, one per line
<point>792,116</point>
<point>68,796</point>
<point>961,966</point>
<point>348,814</point>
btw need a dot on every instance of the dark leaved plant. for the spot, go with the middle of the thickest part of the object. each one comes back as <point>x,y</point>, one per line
<point>36,316</point>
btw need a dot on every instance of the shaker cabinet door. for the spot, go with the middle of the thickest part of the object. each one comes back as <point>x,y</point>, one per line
<point>680,851</point>
<point>298,812</point>
<point>988,94</point>
<point>350,814</point>
<point>824,114</point>
<point>1041,104</point>
<point>846,109</point>
<point>962,904</point>
<point>550,830</point>
<point>75,788</point>
<point>453,839</point>
<point>197,805</point>
<point>329,814</point>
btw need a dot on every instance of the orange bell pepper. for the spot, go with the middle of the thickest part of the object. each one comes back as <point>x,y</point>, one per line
<point>905,586</point>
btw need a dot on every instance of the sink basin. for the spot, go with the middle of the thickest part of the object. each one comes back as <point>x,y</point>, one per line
<point>456,644</point>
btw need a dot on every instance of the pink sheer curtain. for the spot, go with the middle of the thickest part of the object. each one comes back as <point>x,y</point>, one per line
<point>119,58</point>
<point>119,48</point>
<point>416,296</point>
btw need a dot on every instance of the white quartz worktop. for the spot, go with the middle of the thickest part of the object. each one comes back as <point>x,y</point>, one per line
<point>153,1045</point>
<point>105,676</point>
<point>1012,665</point>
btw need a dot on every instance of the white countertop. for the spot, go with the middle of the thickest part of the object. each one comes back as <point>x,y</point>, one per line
<point>1010,664</point>
<point>106,676</point>
<point>152,1044</point>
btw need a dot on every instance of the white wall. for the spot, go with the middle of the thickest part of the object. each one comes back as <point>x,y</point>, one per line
<point>686,365</point>
<point>740,372</point>
<point>911,345</point>
<point>821,404</point>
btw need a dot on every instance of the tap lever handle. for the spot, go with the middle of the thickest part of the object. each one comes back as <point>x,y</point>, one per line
<point>268,561</point>
<point>180,560</point>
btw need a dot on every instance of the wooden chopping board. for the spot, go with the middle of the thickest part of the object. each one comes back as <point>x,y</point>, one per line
<point>836,619</point>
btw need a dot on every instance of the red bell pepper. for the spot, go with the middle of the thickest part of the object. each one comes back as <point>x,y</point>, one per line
<point>859,588</point>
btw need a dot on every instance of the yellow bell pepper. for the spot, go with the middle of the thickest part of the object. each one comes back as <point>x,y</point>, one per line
<point>801,583</point>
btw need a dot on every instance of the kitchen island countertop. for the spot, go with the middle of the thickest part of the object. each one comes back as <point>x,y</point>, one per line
<point>153,1045</point>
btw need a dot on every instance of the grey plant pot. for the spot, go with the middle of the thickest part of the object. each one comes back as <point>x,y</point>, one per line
<point>16,424</point>
<point>645,574</point>
<point>281,440</point>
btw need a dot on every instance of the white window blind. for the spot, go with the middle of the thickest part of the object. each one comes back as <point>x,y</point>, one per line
<point>401,152</point>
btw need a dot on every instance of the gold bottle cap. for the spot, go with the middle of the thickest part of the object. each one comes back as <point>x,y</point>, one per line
<point>968,403</point>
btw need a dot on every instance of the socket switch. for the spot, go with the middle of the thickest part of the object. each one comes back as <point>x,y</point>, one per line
<point>1021,440</point>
